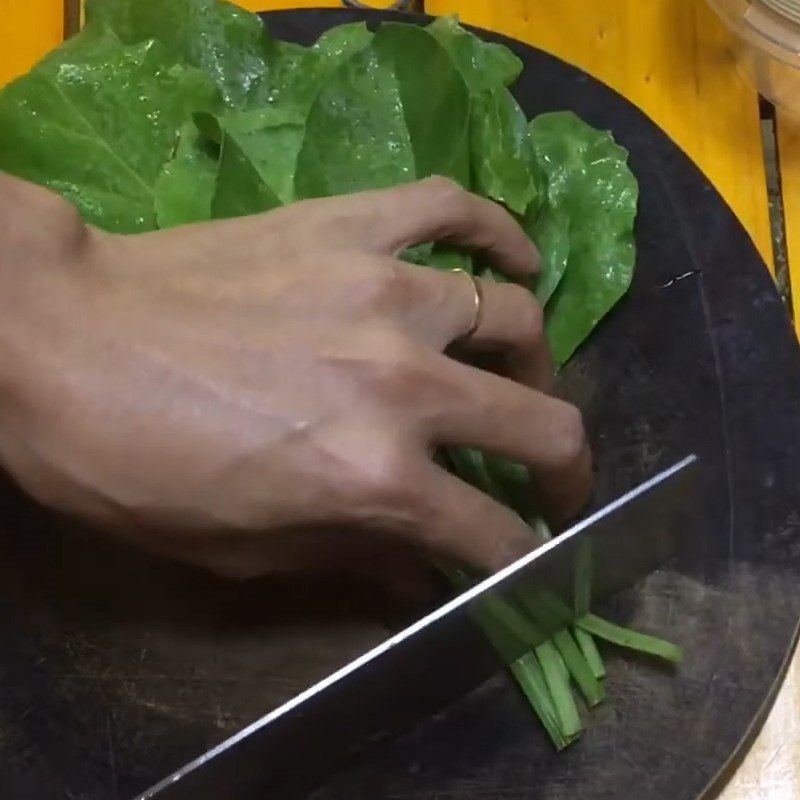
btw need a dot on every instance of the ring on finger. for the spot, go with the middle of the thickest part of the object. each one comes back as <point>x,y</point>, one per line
<point>477,314</point>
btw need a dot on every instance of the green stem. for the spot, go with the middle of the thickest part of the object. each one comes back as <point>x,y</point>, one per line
<point>579,668</point>
<point>507,630</point>
<point>558,685</point>
<point>590,653</point>
<point>528,673</point>
<point>470,465</point>
<point>512,620</point>
<point>544,607</point>
<point>641,642</point>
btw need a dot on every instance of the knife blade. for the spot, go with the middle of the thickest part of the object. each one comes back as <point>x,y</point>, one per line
<point>442,656</point>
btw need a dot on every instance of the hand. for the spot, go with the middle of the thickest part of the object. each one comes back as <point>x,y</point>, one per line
<point>259,394</point>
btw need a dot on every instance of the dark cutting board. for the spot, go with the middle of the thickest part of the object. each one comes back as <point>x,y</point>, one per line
<point>114,669</point>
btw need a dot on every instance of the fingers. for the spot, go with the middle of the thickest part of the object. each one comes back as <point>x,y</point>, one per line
<point>512,328</point>
<point>462,405</point>
<point>448,518</point>
<point>497,415</point>
<point>439,210</point>
<point>511,323</point>
<point>463,523</point>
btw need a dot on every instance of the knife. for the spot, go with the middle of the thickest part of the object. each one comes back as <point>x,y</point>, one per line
<point>291,750</point>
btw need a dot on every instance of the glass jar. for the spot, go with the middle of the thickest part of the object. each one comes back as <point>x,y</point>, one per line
<point>768,46</point>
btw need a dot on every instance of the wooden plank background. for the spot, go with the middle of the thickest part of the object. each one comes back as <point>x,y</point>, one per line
<point>789,162</point>
<point>28,29</point>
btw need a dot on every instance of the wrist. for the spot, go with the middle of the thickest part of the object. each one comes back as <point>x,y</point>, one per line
<point>38,228</point>
<point>46,290</point>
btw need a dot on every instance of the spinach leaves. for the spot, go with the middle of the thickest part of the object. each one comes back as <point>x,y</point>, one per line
<point>162,113</point>
<point>97,121</point>
<point>587,215</point>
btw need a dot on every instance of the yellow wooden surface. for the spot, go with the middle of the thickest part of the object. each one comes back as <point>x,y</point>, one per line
<point>671,58</point>
<point>28,29</point>
<point>789,157</point>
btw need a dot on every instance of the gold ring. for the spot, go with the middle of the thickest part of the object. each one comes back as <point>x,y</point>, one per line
<point>477,314</point>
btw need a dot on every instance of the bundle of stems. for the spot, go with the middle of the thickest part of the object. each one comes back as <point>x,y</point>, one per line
<point>551,667</point>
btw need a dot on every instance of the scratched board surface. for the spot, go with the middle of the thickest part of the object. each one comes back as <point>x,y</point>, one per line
<point>116,669</point>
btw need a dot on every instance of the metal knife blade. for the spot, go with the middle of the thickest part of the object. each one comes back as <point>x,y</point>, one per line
<point>442,656</point>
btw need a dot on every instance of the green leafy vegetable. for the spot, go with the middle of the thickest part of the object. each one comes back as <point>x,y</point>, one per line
<point>588,180</point>
<point>394,112</point>
<point>557,682</point>
<point>549,228</point>
<point>97,121</point>
<point>484,65</point>
<point>356,136</point>
<point>642,643</point>
<point>590,653</point>
<point>434,99</point>
<point>270,139</point>
<point>230,45</point>
<point>300,72</point>
<point>527,671</point>
<point>184,190</point>
<point>500,149</point>
<point>559,718</point>
<point>578,667</point>
<point>340,43</point>
<point>240,188</point>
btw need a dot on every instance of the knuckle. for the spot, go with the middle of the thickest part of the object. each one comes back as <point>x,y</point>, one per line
<point>383,366</point>
<point>65,216</point>
<point>69,232</point>
<point>508,546</point>
<point>439,184</point>
<point>447,193</point>
<point>329,221</point>
<point>528,313</point>
<point>385,489</point>
<point>398,370</point>
<point>386,287</point>
<point>398,354</point>
<point>385,470</point>
<point>570,436</point>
